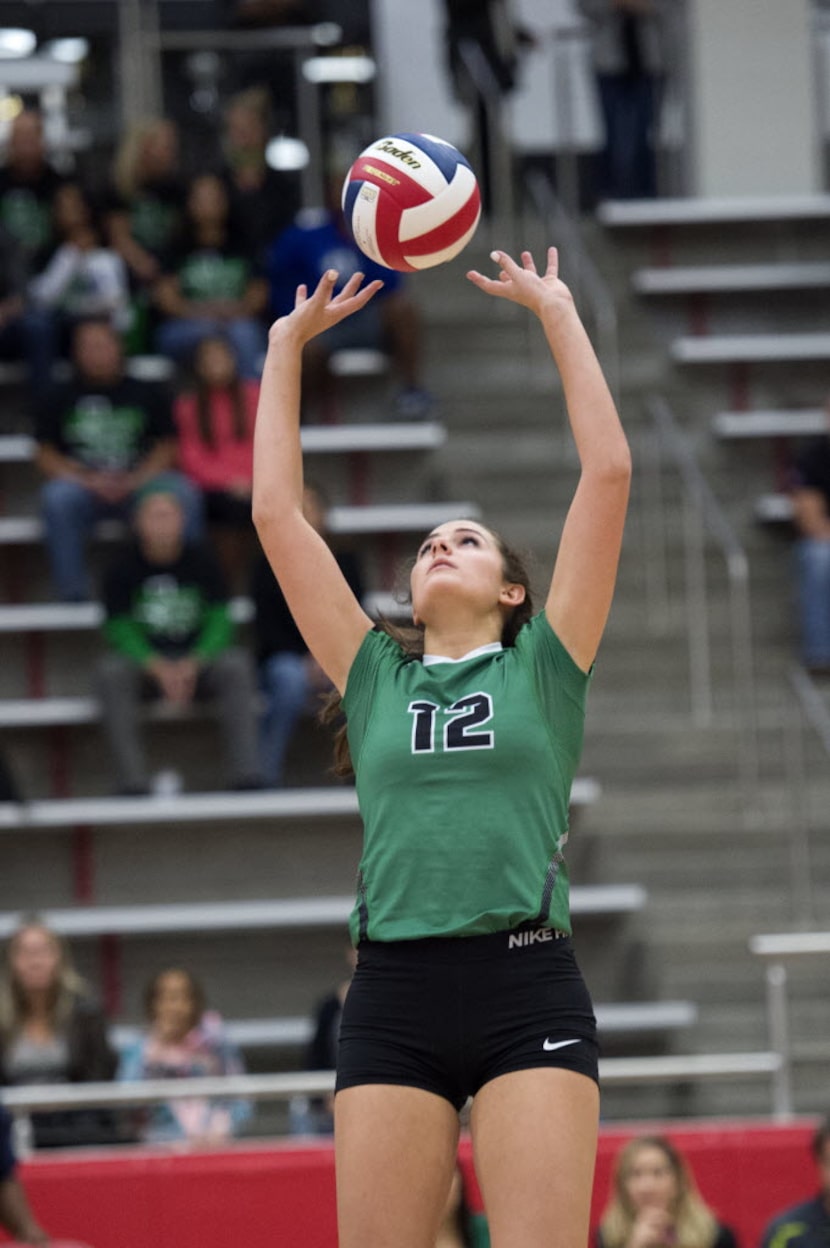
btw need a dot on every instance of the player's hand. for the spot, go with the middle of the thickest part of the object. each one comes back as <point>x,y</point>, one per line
<point>520,283</point>
<point>314,314</point>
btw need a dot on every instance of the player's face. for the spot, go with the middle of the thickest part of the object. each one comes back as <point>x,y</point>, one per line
<point>457,558</point>
<point>35,959</point>
<point>651,1181</point>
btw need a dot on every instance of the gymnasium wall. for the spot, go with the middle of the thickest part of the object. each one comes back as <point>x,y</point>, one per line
<point>267,1195</point>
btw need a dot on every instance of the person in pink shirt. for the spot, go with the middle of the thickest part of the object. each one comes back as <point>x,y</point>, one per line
<point>215,428</point>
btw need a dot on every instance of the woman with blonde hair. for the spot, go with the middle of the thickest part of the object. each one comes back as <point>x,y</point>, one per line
<point>51,1031</point>
<point>655,1202</point>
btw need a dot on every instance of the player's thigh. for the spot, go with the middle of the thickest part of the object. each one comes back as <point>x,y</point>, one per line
<point>534,1140</point>
<point>395,1153</point>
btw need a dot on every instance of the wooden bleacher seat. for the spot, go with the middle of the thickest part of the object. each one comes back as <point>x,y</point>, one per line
<point>645,213</point>
<point>799,423</point>
<point>616,1019</point>
<point>590,901</point>
<point>705,279</point>
<point>750,348</point>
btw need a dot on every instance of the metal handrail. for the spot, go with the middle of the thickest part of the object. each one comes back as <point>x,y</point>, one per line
<point>499,157</point>
<point>613,1070</point>
<point>702,512</point>
<point>590,288</point>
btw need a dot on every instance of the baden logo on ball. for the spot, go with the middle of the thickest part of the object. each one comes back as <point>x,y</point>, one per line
<point>411,201</point>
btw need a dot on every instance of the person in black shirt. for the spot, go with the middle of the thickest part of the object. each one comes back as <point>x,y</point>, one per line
<point>101,437</point>
<point>263,201</point>
<point>806,1225</point>
<point>170,633</point>
<point>213,284</point>
<point>27,188</point>
<point>288,674</point>
<point>811,507</point>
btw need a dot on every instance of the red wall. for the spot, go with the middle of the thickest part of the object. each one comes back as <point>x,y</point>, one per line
<point>259,1195</point>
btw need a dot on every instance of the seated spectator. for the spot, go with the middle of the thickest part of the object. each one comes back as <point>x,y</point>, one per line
<point>101,437</point>
<point>811,506</point>
<point>806,1225</point>
<point>288,675</point>
<point>212,284</point>
<point>28,184</point>
<point>315,1115</point>
<point>81,279</point>
<point>320,240</point>
<point>170,633</point>
<point>52,1032</point>
<point>655,1203</point>
<point>16,1216</point>
<point>185,1040</point>
<point>263,201</point>
<point>145,211</point>
<point>215,422</point>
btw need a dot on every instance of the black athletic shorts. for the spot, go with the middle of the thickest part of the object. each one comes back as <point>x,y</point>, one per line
<point>449,1014</point>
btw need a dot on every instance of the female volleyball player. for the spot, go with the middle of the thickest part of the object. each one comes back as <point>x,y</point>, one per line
<point>466,983</point>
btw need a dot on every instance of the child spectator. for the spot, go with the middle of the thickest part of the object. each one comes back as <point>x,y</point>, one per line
<point>185,1040</point>
<point>655,1203</point>
<point>52,1032</point>
<point>288,675</point>
<point>212,285</point>
<point>170,635</point>
<point>215,424</point>
<point>101,437</point>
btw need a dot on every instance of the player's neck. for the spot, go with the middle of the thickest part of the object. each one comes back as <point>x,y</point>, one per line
<point>454,640</point>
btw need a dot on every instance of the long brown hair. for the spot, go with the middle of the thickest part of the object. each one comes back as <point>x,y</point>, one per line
<point>203,396</point>
<point>410,638</point>
<point>67,988</point>
<point>695,1225</point>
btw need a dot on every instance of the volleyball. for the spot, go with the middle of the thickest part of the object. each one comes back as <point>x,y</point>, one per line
<point>411,201</point>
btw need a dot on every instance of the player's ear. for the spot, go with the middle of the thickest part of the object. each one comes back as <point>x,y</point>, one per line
<point>512,595</point>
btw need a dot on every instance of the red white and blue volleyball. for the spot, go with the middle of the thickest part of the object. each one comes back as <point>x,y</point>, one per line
<point>411,201</point>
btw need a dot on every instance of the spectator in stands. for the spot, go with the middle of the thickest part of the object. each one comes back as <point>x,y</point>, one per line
<point>27,188</point>
<point>185,1040</point>
<point>655,1202</point>
<point>16,1215</point>
<point>630,51</point>
<point>51,1031</point>
<point>81,279</point>
<point>101,437</point>
<point>170,632</point>
<point>811,508</point>
<point>145,212</point>
<point>288,675</point>
<point>319,240</point>
<point>263,201</point>
<point>315,1115</point>
<point>215,424</point>
<point>806,1225</point>
<point>212,285</point>
<point>12,297</point>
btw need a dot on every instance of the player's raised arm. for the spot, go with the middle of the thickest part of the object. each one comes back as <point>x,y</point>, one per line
<point>586,565</point>
<point>331,620</point>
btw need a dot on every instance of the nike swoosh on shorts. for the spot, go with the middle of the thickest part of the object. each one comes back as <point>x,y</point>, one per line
<point>550,1045</point>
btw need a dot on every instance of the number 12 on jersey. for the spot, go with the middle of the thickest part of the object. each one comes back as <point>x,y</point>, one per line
<point>458,729</point>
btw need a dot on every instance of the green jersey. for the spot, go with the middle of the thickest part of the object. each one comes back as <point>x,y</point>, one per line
<point>464,771</point>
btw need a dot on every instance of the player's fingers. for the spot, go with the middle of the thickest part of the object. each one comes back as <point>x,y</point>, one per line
<point>325,286</point>
<point>528,262</point>
<point>508,264</point>
<point>487,284</point>
<point>553,262</point>
<point>351,288</point>
<point>300,295</point>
